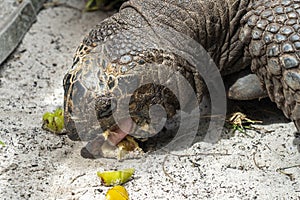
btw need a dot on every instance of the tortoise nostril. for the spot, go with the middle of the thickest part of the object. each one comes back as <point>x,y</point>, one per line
<point>104,113</point>
<point>104,106</point>
<point>111,83</point>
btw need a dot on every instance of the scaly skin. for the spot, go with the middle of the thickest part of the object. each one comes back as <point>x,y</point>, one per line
<point>271,30</point>
<point>237,34</point>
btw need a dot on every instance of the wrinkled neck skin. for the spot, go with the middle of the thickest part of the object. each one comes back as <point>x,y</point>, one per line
<point>214,24</point>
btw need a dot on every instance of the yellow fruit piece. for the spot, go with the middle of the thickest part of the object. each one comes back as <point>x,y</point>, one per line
<point>110,178</point>
<point>117,193</point>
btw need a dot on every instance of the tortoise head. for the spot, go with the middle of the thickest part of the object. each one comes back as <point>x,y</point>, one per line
<point>103,91</point>
<point>88,102</point>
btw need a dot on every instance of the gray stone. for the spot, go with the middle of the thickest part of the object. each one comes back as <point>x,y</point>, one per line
<point>16,20</point>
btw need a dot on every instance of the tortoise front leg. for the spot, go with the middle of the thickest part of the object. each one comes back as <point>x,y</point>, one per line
<point>274,45</point>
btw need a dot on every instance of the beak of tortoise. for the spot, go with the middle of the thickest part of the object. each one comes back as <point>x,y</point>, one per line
<point>105,145</point>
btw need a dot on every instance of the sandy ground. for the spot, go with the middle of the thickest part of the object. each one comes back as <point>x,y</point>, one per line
<point>36,164</point>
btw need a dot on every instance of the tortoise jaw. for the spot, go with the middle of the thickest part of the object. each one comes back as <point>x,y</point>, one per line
<point>113,143</point>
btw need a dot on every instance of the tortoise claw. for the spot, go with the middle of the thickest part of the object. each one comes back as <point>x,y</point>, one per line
<point>247,88</point>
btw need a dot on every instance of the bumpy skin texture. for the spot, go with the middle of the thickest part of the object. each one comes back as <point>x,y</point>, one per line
<point>271,28</point>
<point>236,34</point>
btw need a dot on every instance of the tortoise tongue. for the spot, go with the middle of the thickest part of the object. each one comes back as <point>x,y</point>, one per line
<point>124,128</point>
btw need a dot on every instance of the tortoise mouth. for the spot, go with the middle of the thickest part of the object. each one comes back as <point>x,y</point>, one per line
<point>114,142</point>
<point>119,131</point>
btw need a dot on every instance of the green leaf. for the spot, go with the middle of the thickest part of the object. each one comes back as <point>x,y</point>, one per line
<point>54,122</point>
<point>92,5</point>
